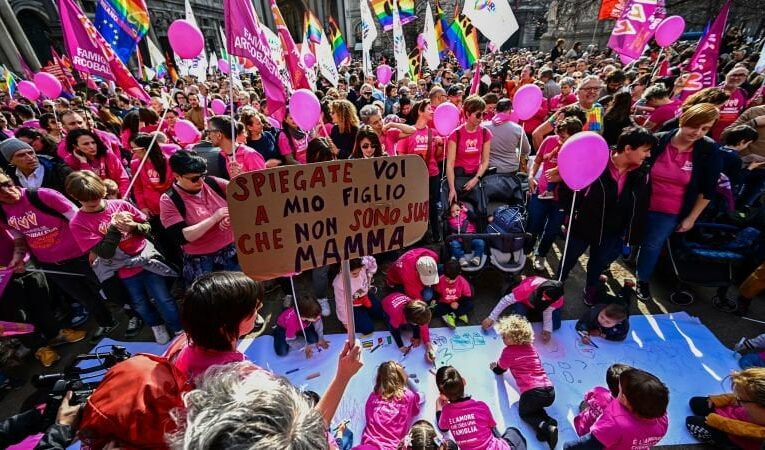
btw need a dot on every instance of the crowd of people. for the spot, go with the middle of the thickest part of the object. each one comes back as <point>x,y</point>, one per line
<point>100,202</point>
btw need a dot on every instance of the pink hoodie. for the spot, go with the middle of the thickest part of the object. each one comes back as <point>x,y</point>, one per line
<point>404,271</point>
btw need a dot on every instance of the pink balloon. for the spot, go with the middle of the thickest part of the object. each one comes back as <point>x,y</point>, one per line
<point>218,106</point>
<point>421,43</point>
<point>48,84</point>
<point>185,39</point>
<point>526,101</point>
<point>223,66</point>
<point>669,31</point>
<point>187,132</point>
<point>582,159</point>
<point>169,149</point>
<point>384,73</point>
<point>309,60</point>
<point>305,109</point>
<point>447,118</point>
<point>28,90</point>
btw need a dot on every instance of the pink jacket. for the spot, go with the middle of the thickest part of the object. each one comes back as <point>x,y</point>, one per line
<point>147,188</point>
<point>404,272</point>
<point>596,399</point>
<point>108,166</point>
<point>362,282</point>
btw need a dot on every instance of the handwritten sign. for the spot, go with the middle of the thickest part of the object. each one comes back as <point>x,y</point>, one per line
<point>290,219</point>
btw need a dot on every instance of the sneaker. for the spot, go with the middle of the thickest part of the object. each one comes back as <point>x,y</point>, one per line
<point>539,263</point>
<point>47,356</point>
<point>590,295</point>
<point>476,261</point>
<point>643,291</point>
<point>551,437</point>
<point>464,318</point>
<point>67,336</point>
<point>79,315</point>
<point>742,345</point>
<point>546,195</point>
<point>160,334</point>
<point>287,301</point>
<point>449,320</point>
<point>325,311</point>
<point>724,304</point>
<point>463,262</point>
<point>134,326</point>
<point>102,332</point>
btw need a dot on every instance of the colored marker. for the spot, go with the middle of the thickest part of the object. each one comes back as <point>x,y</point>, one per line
<point>344,422</point>
<point>583,334</point>
<point>376,347</point>
<point>313,375</point>
<point>292,371</point>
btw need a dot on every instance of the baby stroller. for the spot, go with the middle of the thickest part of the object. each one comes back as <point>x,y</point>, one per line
<point>706,256</point>
<point>497,207</point>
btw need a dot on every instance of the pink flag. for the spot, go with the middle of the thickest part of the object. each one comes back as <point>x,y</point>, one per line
<point>703,66</point>
<point>292,58</point>
<point>245,38</point>
<point>636,27</point>
<point>5,277</point>
<point>91,54</point>
<point>476,84</point>
<point>663,69</point>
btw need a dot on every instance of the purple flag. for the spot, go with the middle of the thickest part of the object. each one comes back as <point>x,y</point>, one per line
<point>636,27</point>
<point>703,66</point>
<point>245,38</point>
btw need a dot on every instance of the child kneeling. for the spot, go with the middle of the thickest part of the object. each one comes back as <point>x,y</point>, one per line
<point>290,322</point>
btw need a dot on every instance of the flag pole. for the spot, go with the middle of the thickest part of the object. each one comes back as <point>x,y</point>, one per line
<point>231,103</point>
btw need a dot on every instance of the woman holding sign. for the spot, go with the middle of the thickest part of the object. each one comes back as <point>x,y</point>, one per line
<point>467,150</point>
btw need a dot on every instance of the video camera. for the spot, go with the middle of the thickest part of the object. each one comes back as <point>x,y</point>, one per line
<point>71,380</point>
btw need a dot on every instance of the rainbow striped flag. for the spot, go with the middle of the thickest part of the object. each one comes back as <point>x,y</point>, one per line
<point>313,27</point>
<point>383,9</point>
<point>339,49</point>
<point>441,25</point>
<point>122,23</point>
<point>10,81</point>
<point>463,37</point>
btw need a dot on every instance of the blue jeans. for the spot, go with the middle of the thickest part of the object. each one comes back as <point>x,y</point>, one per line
<point>458,249</point>
<point>345,442</point>
<point>154,285</point>
<point>427,293</point>
<point>751,360</point>
<point>601,256</point>
<point>522,310</point>
<point>659,227</point>
<point>281,347</point>
<point>362,317</point>
<point>545,219</point>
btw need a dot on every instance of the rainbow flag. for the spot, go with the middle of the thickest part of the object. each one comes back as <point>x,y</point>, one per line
<point>415,64</point>
<point>339,49</point>
<point>122,23</point>
<point>383,9</point>
<point>313,27</point>
<point>441,25</point>
<point>463,37</point>
<point>10,81</point>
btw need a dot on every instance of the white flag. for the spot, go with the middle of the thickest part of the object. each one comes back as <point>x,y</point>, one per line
<point>493,18</point>
<point>430,51</point>
<point>399,45</point>
<point>197,66</point>
<point>760,67</point>
<point>277,55</point>
<point>368,35</point>
<point>212,63</point>
<point>155,54</point>
<point>305,48</point>
<point>326,61</point>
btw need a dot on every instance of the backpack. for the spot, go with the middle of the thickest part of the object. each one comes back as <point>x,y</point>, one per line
<point>175,197</point>
<point>34,198</point>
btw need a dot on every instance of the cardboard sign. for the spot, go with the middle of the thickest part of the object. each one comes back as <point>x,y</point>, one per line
<point>294,218</point>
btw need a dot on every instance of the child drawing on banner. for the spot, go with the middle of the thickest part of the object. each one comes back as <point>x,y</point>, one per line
<point>535,297</point>
<point>522,360</point>
<point>391,407</point>
<point>365,304</point>
<point>609,321</point>
<point>547,157</point>
<point>423,436</point>
<point>636,420</point>
<point>469,421</point>
<point>597,399</point>
<point>404,312</point>
<point>288,332</point>
<point>459,222</point>
<point>755,359</point>
<point>454,296</point>
<point>339,437</point>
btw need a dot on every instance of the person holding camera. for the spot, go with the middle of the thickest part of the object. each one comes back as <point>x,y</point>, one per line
<point>59,435</point>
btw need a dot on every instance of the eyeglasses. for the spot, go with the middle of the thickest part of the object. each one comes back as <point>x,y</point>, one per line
<point>590,89</point>
<point>194,178</point>
<point>479,114</point>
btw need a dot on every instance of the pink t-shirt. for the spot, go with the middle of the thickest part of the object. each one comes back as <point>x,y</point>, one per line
<point>469,147</point>
<point>389,139</point>
<point>417,144</point>
<point>388,421</point>
<point>49,238</point>
<point>290,321</point>
<point>89,228</point>
<point>597,399</point>
<point>393,305</point>
<point>452,292</point>
<point>404,271</point>
<point>6,248</point>
<point>249,158</point>
<point>194,360</point>
<point>199,207</point>
<point>523,362</point>
<point>664,113</point>
<point>670,176</point>
<point>619,429</point>
<point>548,152</point>
<point>619,177</point>
<point>470,423</point>
<point>523,291</point>
<point>300,146</point>
<point>729,112</point>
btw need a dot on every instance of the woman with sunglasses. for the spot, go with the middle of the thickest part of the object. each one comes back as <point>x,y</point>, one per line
<point>467,149</point>
<point>367,144</point>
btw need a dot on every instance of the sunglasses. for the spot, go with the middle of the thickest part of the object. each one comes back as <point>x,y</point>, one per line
<point>479,114</point>
<point>195,178</point>
<point>366,145</point>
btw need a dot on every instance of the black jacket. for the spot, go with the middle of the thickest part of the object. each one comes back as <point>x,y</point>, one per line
<point>589,322</point>
<point>55,173</point>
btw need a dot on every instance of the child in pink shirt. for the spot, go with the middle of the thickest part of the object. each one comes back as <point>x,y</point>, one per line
<point>454,295</point>
<point>597,399</point>
<point>470,421</point>
<point>404,312</point>
<point>303,318</point>
<point>522,360</point>
<point>459,223</point>
<point>390,407</point>
<point>636,420</point>
<point>423,436</point>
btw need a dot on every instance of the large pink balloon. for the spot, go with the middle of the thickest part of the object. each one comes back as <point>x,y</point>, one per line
<point>305,109</point>
<point>185,39</point>
<point>187,132</point>
<point>384,73</point>
<point>218,106</point>
<point>309,60</point>
<point>582,159</point>
<point>223,66</point>
<point>28,90</point>
<point>669,30</point>
<point>447,118</point>
<point>526,101</point>
<point>48,84</point>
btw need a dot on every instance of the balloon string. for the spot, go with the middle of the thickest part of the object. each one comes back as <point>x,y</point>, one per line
<point>568,236</point>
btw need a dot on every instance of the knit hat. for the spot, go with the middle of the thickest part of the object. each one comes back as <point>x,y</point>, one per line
<point>9,147</point>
